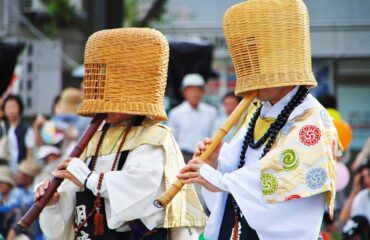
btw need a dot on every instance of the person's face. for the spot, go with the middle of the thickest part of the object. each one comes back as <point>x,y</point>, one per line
<point>51,158</point>
<point>12,110</point>
<point>230,104</point>
<point>193,94</point>
<point>23,179</point>
<point>5,188</point>
<point>115,118</point>
<point>273,94</point>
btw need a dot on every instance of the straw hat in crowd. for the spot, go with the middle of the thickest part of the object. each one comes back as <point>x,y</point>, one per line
<point>29,167</point>
<point>6,175</point>
<point>70,100</point>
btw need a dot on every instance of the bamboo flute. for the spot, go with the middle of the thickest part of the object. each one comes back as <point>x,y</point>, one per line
<point>165,198</point>
<point>35,210</point>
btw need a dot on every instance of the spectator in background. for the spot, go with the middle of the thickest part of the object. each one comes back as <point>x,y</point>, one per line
<point>50,155</point>
<point>55,108</point>
<point>362,156</point>
<point>21,139</point>
<point>230,101</point>
<point>4,156</point>
<point>24,177</point>
<point>7,202</point>
<point>22,195</point>
<point>358,202</point>
<point>192,120</point>
<point>40,120</point>
<point>357,228</point>
<point>62,128</point>
<point>67,118</point>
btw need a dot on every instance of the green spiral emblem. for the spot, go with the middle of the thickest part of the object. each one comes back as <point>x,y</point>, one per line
<point>269,184</point>
<point>289,159</point>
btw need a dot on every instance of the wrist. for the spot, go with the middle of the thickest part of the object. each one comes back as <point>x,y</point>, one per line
<point>92,182</point>
<point>87,179</point>
<point>78,169</point>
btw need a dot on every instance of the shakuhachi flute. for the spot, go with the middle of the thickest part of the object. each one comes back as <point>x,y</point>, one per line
<point>35,210</point>
<point>166,197</point>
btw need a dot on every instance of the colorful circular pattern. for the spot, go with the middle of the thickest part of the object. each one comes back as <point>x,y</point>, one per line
<point>309,135</point>
<point>316,178</point>
<point>326,118</point>
<point>269,184</point>
<point>289,159</point>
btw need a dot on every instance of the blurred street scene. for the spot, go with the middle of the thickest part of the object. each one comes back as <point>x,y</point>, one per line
<point>41,74</point>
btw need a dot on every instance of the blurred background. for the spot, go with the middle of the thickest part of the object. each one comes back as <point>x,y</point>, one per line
<point>42,45</point>
<point>51,35</point>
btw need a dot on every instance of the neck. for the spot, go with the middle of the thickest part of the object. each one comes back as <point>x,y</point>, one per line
<point>15,122</point>
<point>284,91</point>
<point>194,105</point>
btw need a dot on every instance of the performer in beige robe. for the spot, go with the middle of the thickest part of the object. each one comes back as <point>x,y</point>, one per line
<point>108,192</point>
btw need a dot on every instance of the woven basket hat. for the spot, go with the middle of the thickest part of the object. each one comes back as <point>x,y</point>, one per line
<point>125,72</point>
<point>269,43</point>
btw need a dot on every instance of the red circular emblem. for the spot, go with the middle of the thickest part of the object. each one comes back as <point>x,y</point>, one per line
<point>295,196</point>
<point>309,135</point>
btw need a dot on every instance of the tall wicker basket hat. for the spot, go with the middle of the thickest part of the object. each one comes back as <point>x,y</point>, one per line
<point>269,43</point>
<point>125,72</point>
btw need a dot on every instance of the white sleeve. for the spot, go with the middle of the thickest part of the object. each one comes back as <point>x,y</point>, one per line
<point>305,214</point>
<point>358,205</point>
<point>56,220</point>
<point>131,192</point>
<point>30,138</point>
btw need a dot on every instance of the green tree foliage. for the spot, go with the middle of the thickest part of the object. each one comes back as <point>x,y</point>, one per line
<point>60,12</point>
<point>132,16</point>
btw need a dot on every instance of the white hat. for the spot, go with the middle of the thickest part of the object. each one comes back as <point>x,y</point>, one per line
<point>192,79</point>
<point>46,150</point>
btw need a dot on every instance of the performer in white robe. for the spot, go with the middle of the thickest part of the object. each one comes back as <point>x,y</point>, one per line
<point>108,192</point>
<point>272,180</point>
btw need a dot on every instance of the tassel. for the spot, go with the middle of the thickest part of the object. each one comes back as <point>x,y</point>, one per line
<point>98,224</point>
<point>236,228</point>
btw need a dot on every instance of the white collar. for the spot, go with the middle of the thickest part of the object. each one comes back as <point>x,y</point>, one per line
<point>189,107</point>
<point>273,111</point>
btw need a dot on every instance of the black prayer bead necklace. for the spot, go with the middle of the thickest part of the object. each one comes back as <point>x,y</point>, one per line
<point>270,135</point>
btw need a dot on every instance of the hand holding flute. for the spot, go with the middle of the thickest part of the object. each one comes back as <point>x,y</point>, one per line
<point>167,196</point>
<point>49,195</point>
<point>190,173</point>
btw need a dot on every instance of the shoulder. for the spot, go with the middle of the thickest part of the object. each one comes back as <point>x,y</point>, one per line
<point>24,126</point>
<point>158,128</point>
<point>311,111</point>
<point>177,110</point>
<point>153,134</point>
